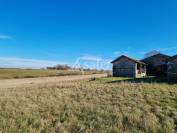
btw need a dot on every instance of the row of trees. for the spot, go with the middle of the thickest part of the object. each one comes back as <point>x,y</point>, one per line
<point>60,67</point>
<point>66,67</point>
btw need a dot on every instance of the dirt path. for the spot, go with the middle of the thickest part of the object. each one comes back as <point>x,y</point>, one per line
<point>11,83</point>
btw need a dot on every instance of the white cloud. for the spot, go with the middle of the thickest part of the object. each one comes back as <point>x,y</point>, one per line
<point>87,61</point>
<point>166,49</point>
<point>26,63</point>
<point>5,37</point>
<point>91,58</point>
<point>92,62</point>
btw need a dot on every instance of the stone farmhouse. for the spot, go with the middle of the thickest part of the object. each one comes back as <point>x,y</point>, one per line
<point>172,68</point>
<point>156,65</point>
<point>125,66</point>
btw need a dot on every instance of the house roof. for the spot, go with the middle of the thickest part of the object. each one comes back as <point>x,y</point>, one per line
<point>172,58</point>
<point>157,55</point>
<point>131,59</point>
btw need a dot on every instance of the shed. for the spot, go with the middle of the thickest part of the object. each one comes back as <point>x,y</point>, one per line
<point>156,64</point>
<point>172,69</point>
<point>125,66</point>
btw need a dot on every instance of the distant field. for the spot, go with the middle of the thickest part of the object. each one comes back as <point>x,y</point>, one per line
<point>31,73</point>
<point>106,105</point>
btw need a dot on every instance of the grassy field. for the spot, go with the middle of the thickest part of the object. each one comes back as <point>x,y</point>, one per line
<point>107,105</point>
<point>31,73</point>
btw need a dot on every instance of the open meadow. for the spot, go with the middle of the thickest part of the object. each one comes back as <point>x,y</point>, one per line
<point>106,105</point>
<point>6,73</point>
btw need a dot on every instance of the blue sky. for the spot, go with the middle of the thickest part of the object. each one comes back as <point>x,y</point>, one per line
<point>42,32</point>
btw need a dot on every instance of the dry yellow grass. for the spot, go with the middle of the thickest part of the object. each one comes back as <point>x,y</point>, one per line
<point>90,106</point>
<point>32,73</point>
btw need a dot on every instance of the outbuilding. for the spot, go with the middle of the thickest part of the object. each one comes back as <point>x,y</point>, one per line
<point>125,66</point>
<point>156,64</point>
<point>172,69</point>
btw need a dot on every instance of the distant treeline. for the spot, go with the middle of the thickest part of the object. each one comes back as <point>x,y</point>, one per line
<point>66,67</point>
<point>60,67</point>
